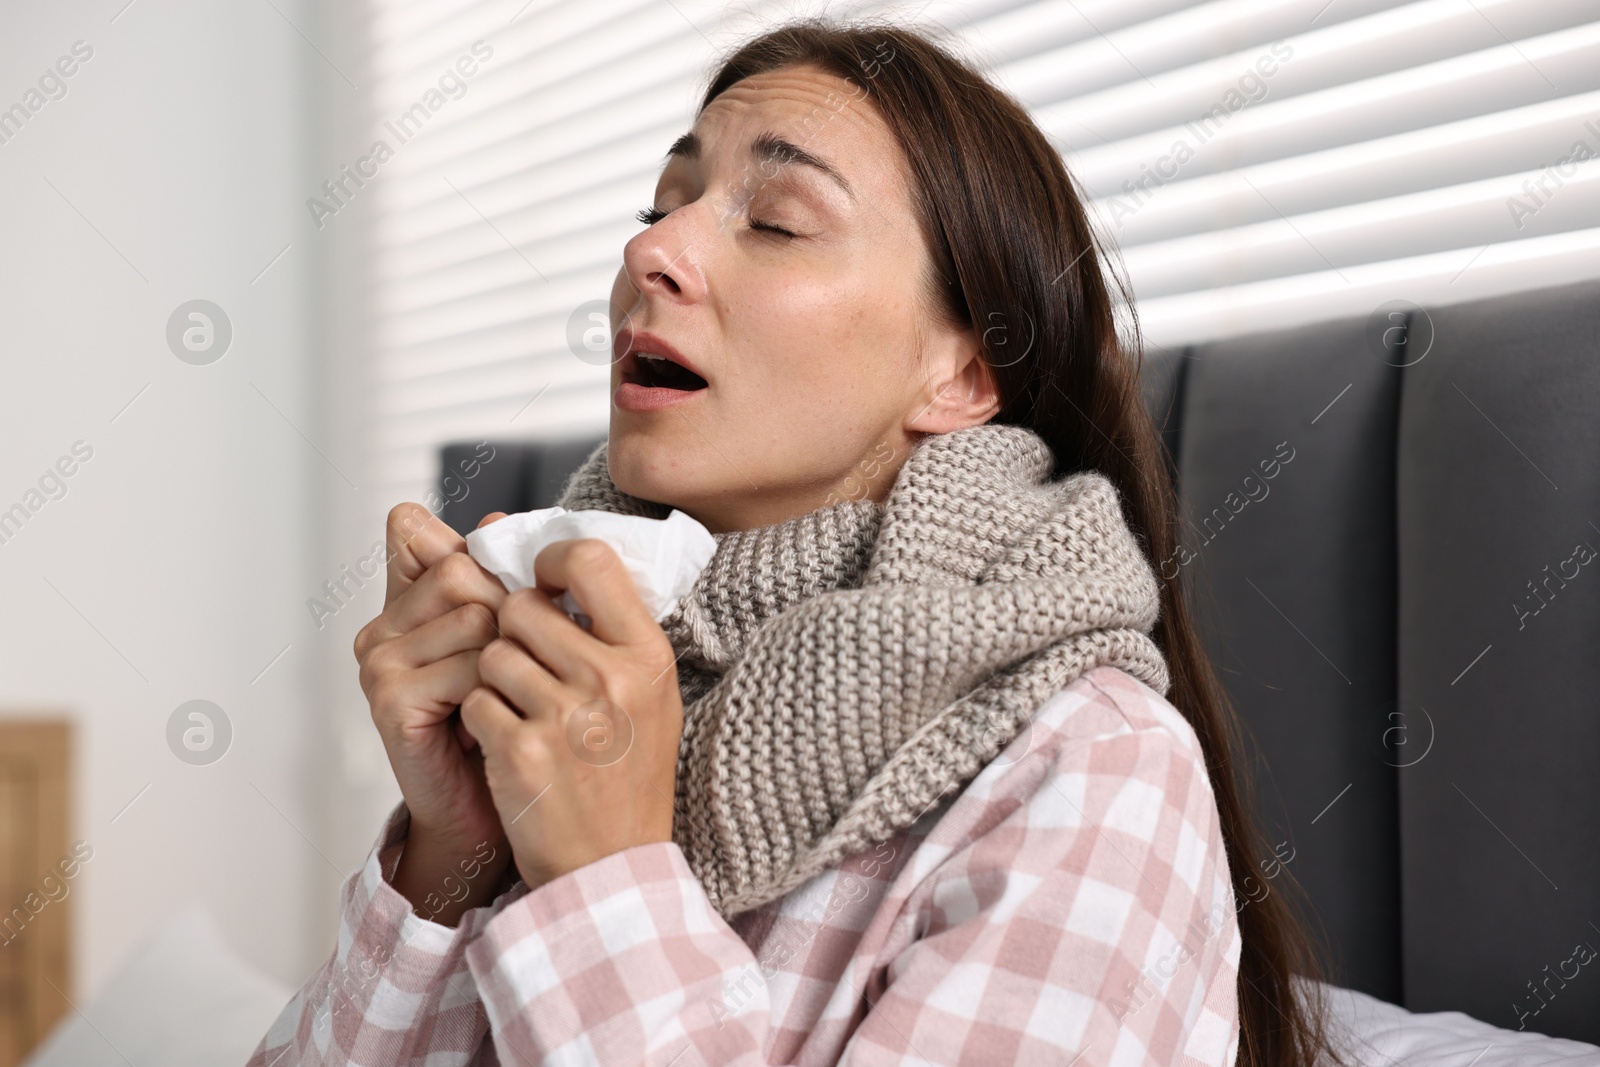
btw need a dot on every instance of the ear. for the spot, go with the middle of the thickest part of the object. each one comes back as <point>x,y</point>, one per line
<point>961,391</point>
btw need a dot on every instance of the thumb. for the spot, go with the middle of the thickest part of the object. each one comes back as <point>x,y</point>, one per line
<point>493,516</point>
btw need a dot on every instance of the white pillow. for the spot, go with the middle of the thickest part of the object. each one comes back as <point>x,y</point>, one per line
<point>1378,1034</point>
<point>182,999</point>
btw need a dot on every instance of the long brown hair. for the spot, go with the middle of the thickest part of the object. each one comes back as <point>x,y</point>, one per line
<point>1015,259</point>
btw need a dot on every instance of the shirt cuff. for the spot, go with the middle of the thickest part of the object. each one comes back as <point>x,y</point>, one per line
<point>376,900</point>
<point>392,970</point>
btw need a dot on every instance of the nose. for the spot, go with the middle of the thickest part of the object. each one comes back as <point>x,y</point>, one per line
<point>663,262</point>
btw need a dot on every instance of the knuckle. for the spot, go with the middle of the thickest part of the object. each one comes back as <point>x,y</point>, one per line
<point>384,696</point>
<point>497,656</point>
<point>370,637</point>
<point>477,621</point>
<point>476,701</point>
<point>377,666</point>
<point>405,519</point>
<point>662,657</point>
<point>530,749</point>
<point>456,570</point>
<point>368,679</point>
<point>493,656</point>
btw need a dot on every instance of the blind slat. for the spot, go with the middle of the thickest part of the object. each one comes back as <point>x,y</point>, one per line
<point>1382,159</point>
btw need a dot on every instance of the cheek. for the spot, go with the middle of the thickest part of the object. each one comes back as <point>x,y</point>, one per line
<point>819,343</point>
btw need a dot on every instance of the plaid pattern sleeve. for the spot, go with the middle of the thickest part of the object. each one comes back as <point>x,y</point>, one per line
<point>1071,905</point>
<point>396,989</point>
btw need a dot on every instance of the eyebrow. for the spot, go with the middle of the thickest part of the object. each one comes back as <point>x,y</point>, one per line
<point>768,147</point>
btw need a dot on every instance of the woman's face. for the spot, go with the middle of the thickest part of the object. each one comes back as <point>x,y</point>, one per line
<point>789,274</point>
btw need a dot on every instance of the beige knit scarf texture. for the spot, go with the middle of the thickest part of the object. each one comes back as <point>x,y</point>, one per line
<point>844,670</point>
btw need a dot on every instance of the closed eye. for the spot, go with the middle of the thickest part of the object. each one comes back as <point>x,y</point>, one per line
<point>652,215</point>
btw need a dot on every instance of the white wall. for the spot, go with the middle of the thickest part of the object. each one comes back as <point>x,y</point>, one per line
<point>186,545</point>
<point>357,790</point>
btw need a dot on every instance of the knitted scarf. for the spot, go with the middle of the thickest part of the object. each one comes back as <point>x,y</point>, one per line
<point>844,670</point>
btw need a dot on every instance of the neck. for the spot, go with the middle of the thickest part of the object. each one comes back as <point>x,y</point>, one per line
<point>870,479</point>
<point>754,511</point>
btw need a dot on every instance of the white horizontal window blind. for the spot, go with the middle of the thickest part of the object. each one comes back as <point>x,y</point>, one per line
<point>1259,163</point>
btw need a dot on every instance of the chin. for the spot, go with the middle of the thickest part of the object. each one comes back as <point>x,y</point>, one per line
<point>646,468</point>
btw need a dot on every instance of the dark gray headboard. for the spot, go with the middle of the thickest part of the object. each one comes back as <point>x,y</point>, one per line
<point>518,476</point>
<point>1431,750</point>
<point>1367,545</point>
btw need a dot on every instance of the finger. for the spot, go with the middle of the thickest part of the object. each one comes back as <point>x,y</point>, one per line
<point>490,720</point>
<point>595,575</point>
<point>493,516</point>
<point>428,695</point>
<point>533,620</point>
<point>468,627</point>
<point>453,581</point>
<point>416,539</point>
<point>521,679</point>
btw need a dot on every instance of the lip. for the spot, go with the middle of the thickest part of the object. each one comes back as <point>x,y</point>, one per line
<point>626,348</point>
<point>631,396</point>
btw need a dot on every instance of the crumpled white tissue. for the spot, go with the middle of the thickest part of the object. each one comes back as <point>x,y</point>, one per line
<point>663,556</point>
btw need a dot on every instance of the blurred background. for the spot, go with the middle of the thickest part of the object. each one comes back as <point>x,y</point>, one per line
<point>261,259</point>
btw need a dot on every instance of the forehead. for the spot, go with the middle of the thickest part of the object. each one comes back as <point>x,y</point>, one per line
<point>797,89</point>
<point>822,112</point>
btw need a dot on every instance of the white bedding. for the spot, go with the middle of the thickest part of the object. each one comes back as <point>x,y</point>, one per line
<point>1379,1034</point>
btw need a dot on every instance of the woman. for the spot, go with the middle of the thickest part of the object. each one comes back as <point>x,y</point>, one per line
<point>897,782</point>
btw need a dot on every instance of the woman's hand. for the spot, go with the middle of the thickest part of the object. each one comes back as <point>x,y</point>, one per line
<point>579,729</point>
<point>419,660</point>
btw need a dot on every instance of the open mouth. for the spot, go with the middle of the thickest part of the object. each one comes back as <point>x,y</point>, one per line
<point>658,372</point>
